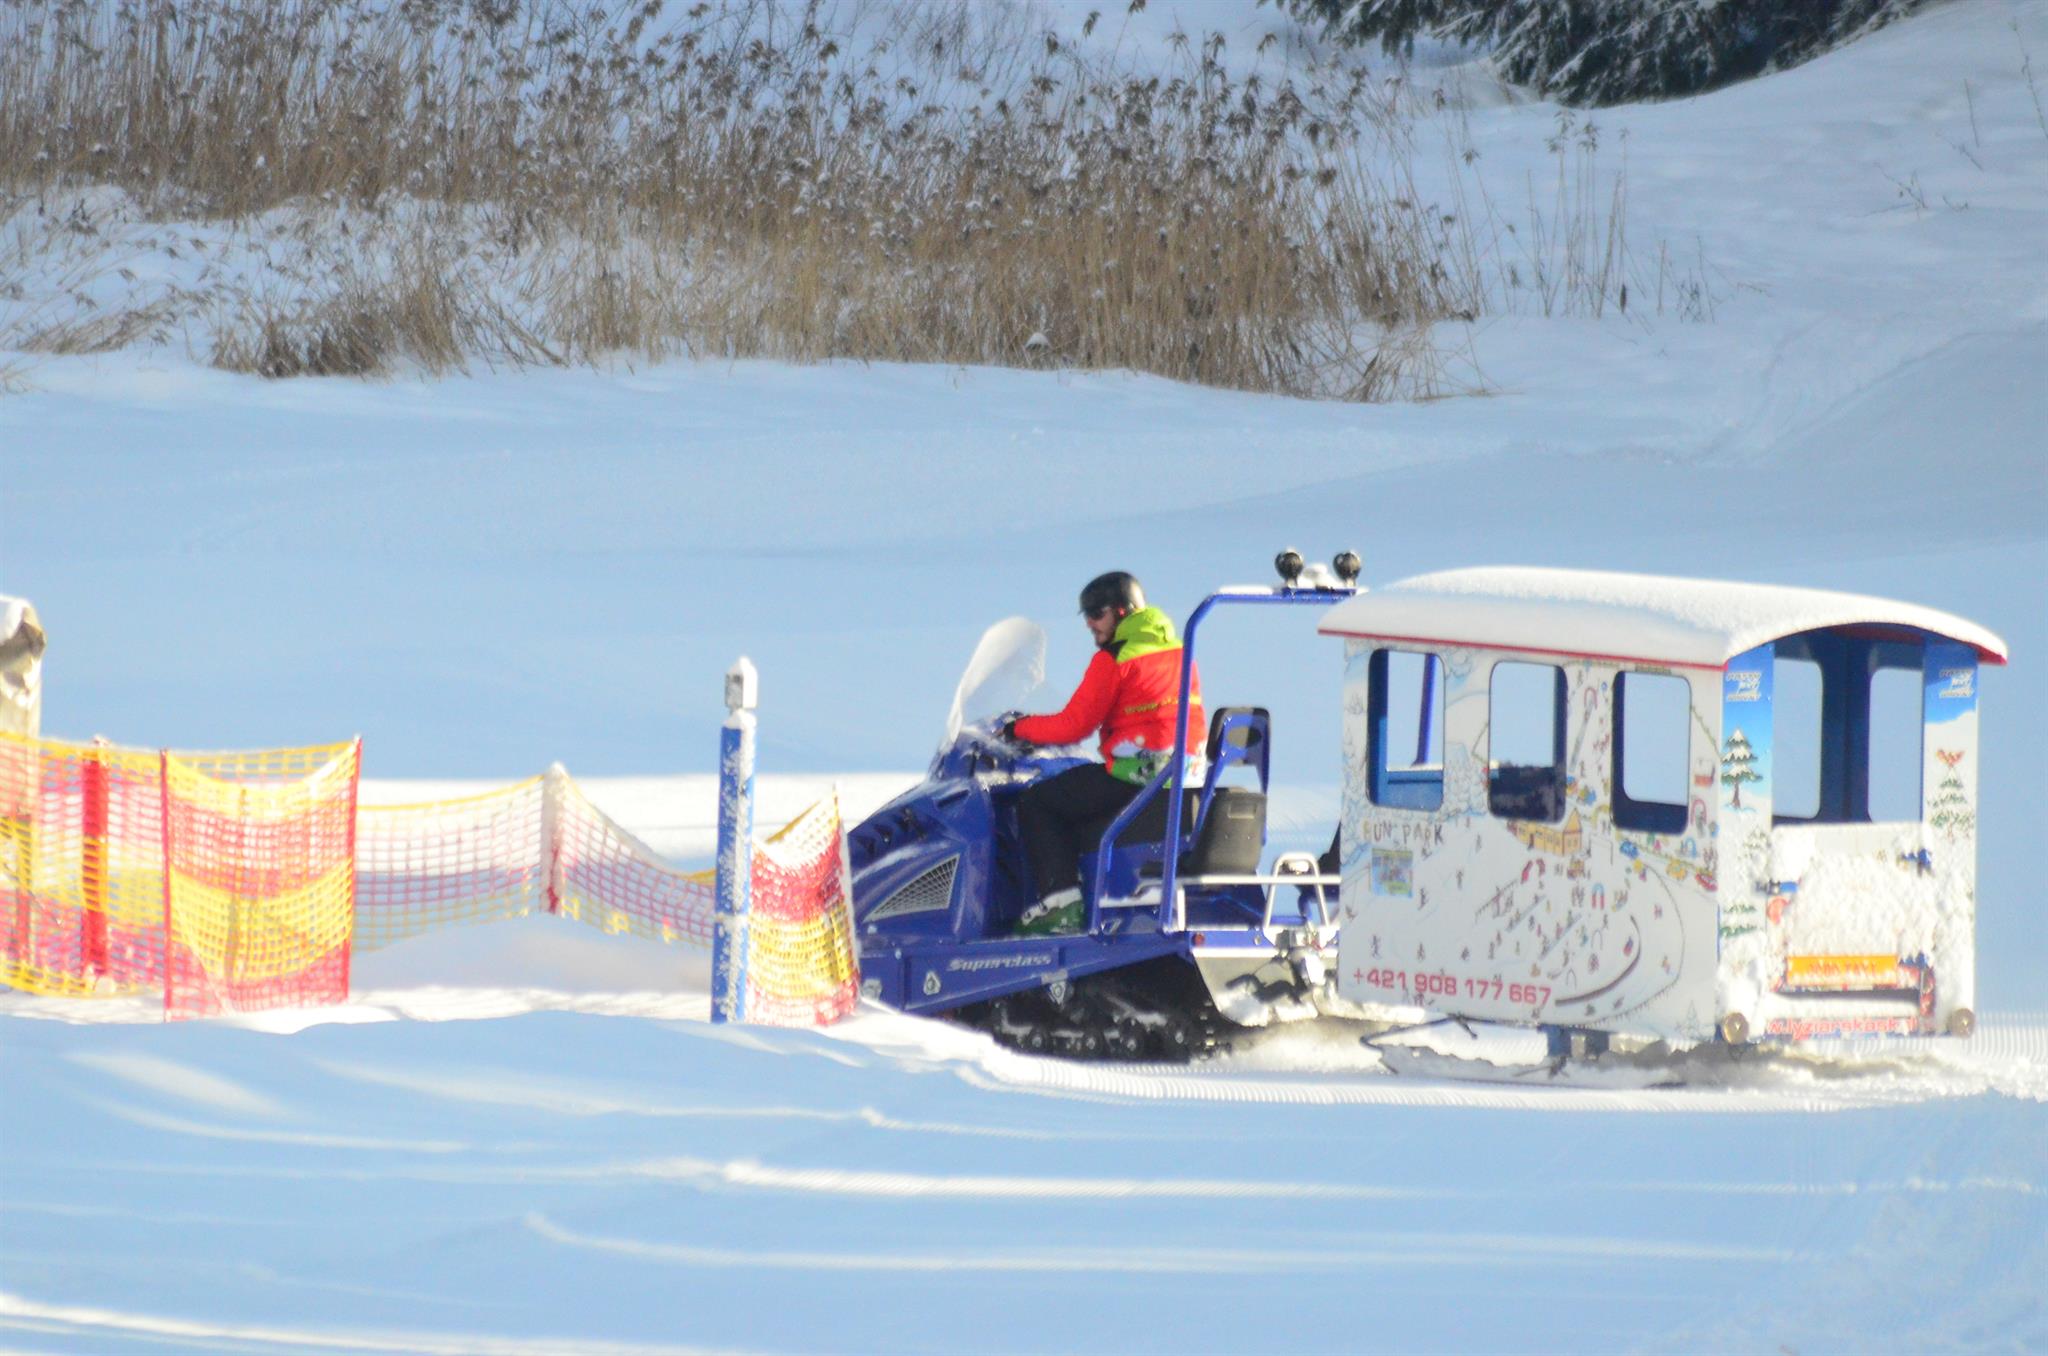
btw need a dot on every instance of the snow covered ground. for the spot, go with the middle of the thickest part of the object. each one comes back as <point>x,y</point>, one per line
<point>485,574</point>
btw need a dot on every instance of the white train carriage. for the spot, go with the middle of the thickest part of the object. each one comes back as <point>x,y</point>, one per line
<point>1673,808</point>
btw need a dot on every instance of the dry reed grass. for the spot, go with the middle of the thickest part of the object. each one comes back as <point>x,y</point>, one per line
<point>555,183</point>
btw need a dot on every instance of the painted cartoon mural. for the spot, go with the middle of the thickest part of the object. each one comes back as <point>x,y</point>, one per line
<point>1570,921</point>
<point>1879,908</point>
<point>1513,876</point>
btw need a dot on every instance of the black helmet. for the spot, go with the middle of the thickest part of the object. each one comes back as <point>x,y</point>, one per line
<point>1113,590</point>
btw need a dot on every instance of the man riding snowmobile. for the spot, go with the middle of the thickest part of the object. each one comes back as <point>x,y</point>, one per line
<point>1130,695</point>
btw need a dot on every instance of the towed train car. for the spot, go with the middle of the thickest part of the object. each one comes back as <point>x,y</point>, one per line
<point>1672,808</point>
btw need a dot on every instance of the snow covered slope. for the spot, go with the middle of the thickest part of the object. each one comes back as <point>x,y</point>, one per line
<point>567,1180</point>
<point>485,574</point>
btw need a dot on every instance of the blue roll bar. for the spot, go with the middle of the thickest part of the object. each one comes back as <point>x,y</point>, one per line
<point>1175,771</point>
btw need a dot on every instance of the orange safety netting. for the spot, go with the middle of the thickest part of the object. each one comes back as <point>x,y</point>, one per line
<point>260,853</point>
<point>611,880</point>
<point>803,968</point>
<point>427,866</point>
<point>542,847</point>
<point>81,868</point>
<point>538,847</point>
<point>237,881</point>
<point>224,880</point>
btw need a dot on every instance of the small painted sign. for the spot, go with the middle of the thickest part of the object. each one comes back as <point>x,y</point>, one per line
<point>1393,872</point>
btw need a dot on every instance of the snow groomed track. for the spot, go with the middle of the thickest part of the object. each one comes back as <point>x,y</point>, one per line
<point>1326,1066</point>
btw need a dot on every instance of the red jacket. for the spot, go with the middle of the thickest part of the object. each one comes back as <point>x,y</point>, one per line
<point>1130,693</point>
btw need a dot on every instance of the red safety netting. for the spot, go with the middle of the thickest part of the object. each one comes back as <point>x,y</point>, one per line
<point>803,968</point>
<point>81,868</point>
<point>427,866</point>
<point>239,881</point>
<point>538,847</point>
<point>611,880</point>
<point>222,880</point>
<point>260,878</point>
<point>542,846</point>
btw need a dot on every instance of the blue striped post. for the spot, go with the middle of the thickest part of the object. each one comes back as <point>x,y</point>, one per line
<point>735,846</point>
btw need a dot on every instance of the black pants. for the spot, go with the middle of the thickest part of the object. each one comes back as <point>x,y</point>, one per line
<point>1062,817</point>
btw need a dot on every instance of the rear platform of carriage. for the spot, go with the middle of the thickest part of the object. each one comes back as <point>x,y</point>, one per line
<point>1673,808</point>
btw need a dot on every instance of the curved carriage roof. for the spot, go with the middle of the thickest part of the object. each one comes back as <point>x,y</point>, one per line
<point>1652,618</point>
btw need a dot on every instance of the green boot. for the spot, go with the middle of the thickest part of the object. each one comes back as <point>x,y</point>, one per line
<point>1059,913</point>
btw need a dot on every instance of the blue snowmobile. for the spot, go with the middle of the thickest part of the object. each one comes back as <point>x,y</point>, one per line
<point>1176,946</point>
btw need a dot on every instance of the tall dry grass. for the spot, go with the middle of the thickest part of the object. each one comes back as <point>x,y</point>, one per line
<point>889,179</point>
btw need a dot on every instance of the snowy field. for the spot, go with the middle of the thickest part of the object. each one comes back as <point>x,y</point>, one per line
<point>527,1139</point>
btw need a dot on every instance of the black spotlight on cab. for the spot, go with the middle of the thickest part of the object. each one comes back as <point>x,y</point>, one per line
<point>1347,565</point>
<point>1289,564</point>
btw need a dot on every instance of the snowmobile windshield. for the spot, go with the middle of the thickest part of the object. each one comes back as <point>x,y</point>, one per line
<point>1005,669</point>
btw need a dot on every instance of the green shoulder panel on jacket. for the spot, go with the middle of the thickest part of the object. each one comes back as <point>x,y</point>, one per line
<point>1146,631</point>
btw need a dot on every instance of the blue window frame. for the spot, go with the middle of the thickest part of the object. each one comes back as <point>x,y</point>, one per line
<point>1405,723</point>
<point>1844,742</point>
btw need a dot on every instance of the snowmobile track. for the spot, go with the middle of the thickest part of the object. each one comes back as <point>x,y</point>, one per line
<point>2008,1057</point>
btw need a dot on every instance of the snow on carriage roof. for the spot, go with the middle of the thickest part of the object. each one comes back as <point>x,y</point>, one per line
<point>1622,616</point>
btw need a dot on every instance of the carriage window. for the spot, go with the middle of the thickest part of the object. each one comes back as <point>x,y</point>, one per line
<point>1896,724</point>
<point>1525,741</point>
<point>1848,718</point>
<point>1652,751</point>
<point>1406,725</point>
<point>1795,738</point>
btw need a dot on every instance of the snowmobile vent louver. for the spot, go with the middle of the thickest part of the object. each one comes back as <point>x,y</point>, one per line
<point>927,893</point>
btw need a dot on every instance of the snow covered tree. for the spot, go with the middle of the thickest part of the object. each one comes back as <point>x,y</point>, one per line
<point>1738,765</point>
<point>1613,51</point>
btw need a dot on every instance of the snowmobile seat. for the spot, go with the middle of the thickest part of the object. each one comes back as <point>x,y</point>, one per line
<point>1230,831</point>
<point>1231,836</point>
<point>1239,734</point>
<point>1229,823</point>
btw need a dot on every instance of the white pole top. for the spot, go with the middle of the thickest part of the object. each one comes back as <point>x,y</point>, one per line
<point>742,685</point>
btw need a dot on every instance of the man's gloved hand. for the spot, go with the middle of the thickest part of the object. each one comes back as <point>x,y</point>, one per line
<point>1006,729</point>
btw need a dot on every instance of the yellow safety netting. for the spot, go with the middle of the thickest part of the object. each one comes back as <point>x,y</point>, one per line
<point>803,968</point>
<point>234,881</point>
<point>608,878</point>
<point>81,867</point>
<point>435,864</point>
<point>260,852</point>
<point>220,879</point>
<point>541,846</point>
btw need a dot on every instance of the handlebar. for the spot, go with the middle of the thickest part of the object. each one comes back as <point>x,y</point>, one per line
<point>980,750</point>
